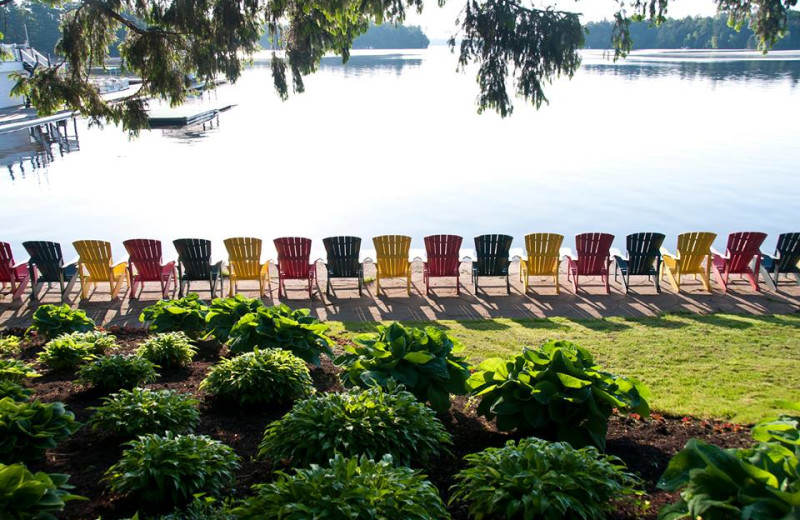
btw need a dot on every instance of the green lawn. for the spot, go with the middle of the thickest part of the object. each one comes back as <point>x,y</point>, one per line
<point>738,368</point>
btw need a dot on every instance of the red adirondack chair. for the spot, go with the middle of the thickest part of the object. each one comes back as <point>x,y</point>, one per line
<point>293,262</point>
<point>145,261</point>
<point>742,250</point>
<point>443,260</point>
<point>15,275</point>
<point>593,258</point>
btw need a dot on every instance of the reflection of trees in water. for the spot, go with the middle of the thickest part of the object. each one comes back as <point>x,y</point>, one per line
<point>360,65</point>
<point>760,70</point>
<point>36,147</point>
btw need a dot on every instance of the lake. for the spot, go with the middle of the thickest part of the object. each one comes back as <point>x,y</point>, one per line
<point>391,144</point>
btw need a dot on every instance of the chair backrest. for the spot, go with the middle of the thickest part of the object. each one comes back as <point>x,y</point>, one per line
<point>145,255</point>
<point>343,255</point>
<point>542,252</point>
<point>293,256</point>
<point>442,252</point>
<point>392,254</point>
<point>644,250</point>
<point>788,249</point>
<point>95,256</point>
<point>593,252</point>
<point>194,254</point>
<point>244,256</point>
<point>6,263</point>
<point>492,254</point>
<point>693,249</point>
<point>47,257</point>
<point>742,248</point>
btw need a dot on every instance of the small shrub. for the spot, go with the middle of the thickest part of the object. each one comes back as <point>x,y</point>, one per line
<point>28,496</point>
<point>66,352</point>
<point>539,479</point>
<point>168,350</point>
<point>169,470</point>
<point>346,489</point>
<point>371,422</point>
<point>224,313</point>
<point>15,370</point>
<point>140,411</point>
<point>100,342</point>
<point>14,391</point>
<point>110,373</point>
<point>10,346</point>
<point>555,392</point>
<point>54,320</point>
<point>27,429</point>
<point>425,361</point>
<point>187,315</point>
<point>270,376</point>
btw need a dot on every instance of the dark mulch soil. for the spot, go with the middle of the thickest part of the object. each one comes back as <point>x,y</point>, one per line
<point>645,445</point>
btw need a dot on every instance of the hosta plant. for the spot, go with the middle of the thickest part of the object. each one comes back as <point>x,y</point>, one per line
<point>168,350</point>
<point>53,320</point>
<point>32,496</point>
<point>346,489</point>
<point>14,390</point>
<point>556,392</point>
<point>27,429</point>
<point>109,373</point>
<point>10,346</point>
<point>370,422</point>
<point>426,361</point>
<point>187,315</point>
<point>269,376</point>
<point>140,411</point>
<point>15,370</point>
<point>68,351</point>
<point>224,313</point>
<point>170,470</point>
<point>536,479</point>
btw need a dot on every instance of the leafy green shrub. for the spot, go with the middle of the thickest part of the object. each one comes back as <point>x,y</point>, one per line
<point>28,496</point>
<point>140,411</point>
<point>784,430</point>
<point>260,377</point>
<point>10,346</point>
<point>68,351</point>
<point>371,422</point>
<point>224,313</point>
<point>15,370</point>
<point>14,391</point>
<point>109,373</point>
<point>346,489</point>
<point>540,479</point>
<point>54,320</point>
<point>168,350</point>
<point>425,361</point>
<point>187,315</point>
<point>171,469</point>
<point>555,392</point>
<point>28,429</point>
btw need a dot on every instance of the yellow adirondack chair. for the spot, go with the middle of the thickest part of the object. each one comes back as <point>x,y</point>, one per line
<point>392,259</point>
<point>693,248</point>
<point>543,257</point>
<point>244,261</point>
<point>95,265</point>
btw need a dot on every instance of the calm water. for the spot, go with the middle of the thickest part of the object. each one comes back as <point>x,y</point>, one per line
<point>391,143</point>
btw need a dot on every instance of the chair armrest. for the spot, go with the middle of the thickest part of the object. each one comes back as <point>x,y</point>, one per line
<point>24,263</point>
<point>123,263</point>
<point>717,253</point>
<point>665,252</point>
<point>772,256</point>
<point>74,261</point>
<point>616,253</point>
<point>566,252</point>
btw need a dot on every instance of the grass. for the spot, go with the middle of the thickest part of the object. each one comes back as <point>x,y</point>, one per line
<point>737,368</point>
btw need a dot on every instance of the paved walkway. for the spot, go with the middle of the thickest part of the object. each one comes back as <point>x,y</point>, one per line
<point>443,304</point>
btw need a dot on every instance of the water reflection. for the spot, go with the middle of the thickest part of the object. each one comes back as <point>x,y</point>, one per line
<point>366,65</point>
<point>37,147</point>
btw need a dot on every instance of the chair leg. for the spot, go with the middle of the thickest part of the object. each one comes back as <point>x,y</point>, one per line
<point>378,284</point>
<point>768,279</point>
<point>21,287</point>
<point>722,279</point>
<point>458,284</point>
<point>555,280</point>
<point>508,284</point>
<point>328,287</point>
<point>408,282</point>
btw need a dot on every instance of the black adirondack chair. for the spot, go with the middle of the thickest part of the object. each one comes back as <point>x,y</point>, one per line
<point>643,259</point>
<point>784,261</point>
<point>492,252</point>
<point>48,260</point>
<point>343,260</point>
<point>194,265</point>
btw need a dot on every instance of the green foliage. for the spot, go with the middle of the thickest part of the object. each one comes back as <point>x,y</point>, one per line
<point>15,370</point>
<point>168,350</point>
<point>14,391</point>
<point>539,479</point>
<point>371,422</point>
<point>27,429</point>
<point>10,346</point>
<point>109,373</point>
<point>346,489</point>
<point>270,376</point>
<point>28,496</point>
<point>140,411</point>
<point>54,320</point>
<point>425,361</point>
<point>187,315</point>
<point>556,392</point>
<point>171,469</point>
<point>784,430</point>
<point>224,313</point>
<point>67,351</point>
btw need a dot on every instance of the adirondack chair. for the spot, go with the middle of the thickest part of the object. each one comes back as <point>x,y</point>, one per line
<point>392,259</point>
<point>442,259</point>
<point>95,265</point>
<point>786,260</point>
<point>593,258</point>
<point>145,265</point>
<point>343,260</point>
<point>642,258</point>
<point>693,249</point>
<point>542,259</point>
<point>492,258</point>
<point>293,263</point>
<point>743,249</point>
<point>13,274</point>
<point>194,265</point>
<point>244,259</point>
<point>48,260</point>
